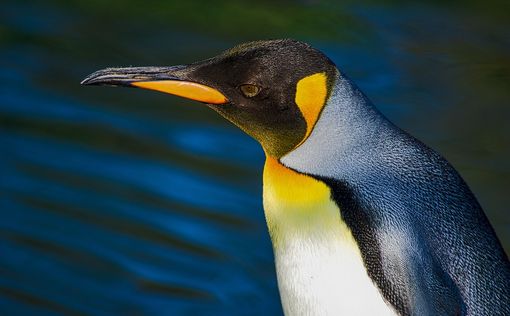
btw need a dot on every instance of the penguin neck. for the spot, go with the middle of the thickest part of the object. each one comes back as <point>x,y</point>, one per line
<point>348,125</point>
<point>294,200</point>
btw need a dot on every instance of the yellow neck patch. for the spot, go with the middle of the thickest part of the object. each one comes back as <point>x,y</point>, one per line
<point>296,205</point>
<point>311,93</point>
<point>286,186</point>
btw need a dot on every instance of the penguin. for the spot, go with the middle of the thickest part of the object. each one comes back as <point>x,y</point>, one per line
<point>364,219</point>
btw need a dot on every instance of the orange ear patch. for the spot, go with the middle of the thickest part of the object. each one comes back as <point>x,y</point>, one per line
<point>311,92</point>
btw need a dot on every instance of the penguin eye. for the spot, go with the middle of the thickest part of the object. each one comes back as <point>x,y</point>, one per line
<point>249,90</point>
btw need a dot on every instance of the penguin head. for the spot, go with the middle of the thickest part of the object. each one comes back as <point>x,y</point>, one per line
<point>273,90</point>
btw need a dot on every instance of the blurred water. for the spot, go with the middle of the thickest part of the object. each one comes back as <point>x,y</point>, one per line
<point>127,202</point>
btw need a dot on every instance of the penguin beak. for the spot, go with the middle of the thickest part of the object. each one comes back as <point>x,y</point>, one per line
<point>173,80</point>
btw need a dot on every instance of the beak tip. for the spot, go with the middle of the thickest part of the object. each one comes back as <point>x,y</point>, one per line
<point>103,78</point>
<point>91,80</point>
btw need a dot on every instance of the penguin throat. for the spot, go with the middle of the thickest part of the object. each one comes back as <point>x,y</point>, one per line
<point>283,185</point>
<point>295,203</point>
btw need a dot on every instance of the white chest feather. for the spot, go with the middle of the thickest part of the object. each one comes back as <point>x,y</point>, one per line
<point>325,275</point>
<point>318,263</point>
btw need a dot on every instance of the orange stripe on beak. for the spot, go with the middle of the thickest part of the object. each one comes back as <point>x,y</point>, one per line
<point>185,89</point>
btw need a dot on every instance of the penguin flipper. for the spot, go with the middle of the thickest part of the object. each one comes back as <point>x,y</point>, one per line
<point>408,277</point>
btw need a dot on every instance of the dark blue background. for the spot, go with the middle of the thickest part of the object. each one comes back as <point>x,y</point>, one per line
<point>130,202</point>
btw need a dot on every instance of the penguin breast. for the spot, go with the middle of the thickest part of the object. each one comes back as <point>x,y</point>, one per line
<point>319,266</point>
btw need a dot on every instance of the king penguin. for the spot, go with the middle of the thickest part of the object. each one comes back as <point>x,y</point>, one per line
<point>364,219</point>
